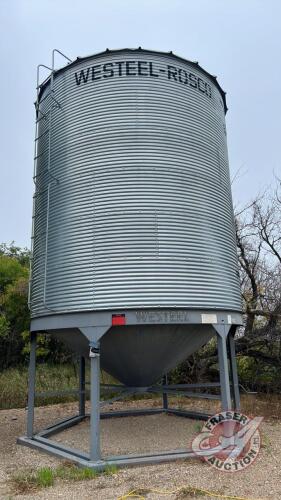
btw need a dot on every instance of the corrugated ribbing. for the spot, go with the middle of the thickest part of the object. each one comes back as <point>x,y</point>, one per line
<point>139,212</point>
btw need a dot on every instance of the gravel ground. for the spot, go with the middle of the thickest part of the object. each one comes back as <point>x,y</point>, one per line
<point>130,435</point>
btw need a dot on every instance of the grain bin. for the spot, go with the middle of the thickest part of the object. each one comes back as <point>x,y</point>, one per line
<point>134,258</point>
<point>133,218</point>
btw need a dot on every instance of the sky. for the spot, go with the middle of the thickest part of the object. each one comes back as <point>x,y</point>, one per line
<point>237,40</point>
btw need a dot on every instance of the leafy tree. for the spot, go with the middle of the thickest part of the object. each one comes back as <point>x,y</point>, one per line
<point>14,314</point>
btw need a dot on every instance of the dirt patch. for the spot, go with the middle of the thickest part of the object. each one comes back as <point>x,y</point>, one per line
<point>136,434</point>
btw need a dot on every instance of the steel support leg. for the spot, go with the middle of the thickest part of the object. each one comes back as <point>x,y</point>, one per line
<point>82,397</point>
<point>222,333</point>
<point>234,374</point>
<point>165,395</point>
<point>31,385</point>
<point>95,454</point>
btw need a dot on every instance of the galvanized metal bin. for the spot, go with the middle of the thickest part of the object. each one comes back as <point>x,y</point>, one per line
<point>133,203</point>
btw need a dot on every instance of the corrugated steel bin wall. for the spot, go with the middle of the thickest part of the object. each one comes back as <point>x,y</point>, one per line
<point>135,210</point>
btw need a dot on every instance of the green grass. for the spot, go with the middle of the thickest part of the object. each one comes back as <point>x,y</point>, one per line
<point>198,427</point>
<point>14,384</point>
<point>45,477</point>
